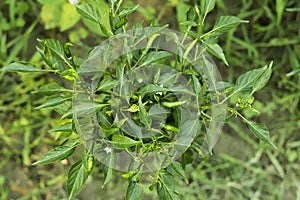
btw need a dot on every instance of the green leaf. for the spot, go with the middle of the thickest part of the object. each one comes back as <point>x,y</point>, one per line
<point>151,89</point>
<point>280,5</point>
<point>108,167</point>
<point>92,12</point>
<point>225,23</point>
<point>67,128</point>
<point>188,130</point>
<point>251,79</point>
<point>208,6</point>
<point>295,9</point>
<point>217,51</point>
<point>166,188</point>
<point>263,79</point>
<point>144,116</point>
<point>155,56</point>
<point>176,169</point>
<point>51,88</point>
<point>59,153</point>
<point>196,85</point>
<point>134,191</point>
<point>181,10</point>
<point>106,85</point>
<point>89,11</point>
<point>23,67</point>
<point>260,131</point>
<point>123,142</point>
<point>69,17</point>
<point>53,102</point>
<point>76,179</point>
<point>53,54</point>
<point>127,11</point>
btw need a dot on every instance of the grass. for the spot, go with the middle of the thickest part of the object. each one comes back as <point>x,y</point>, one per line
<point>241,167</point>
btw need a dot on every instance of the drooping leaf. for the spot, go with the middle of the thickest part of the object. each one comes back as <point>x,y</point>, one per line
<point>217,51</point>
<point>23,67</point>
<point>123,142</point>
<point>134,191</point>
<point>166,188</point>
<point>196,85</point>
<point>177,167</point>
<point>76,179</point>
<point>108,167</point>
<point>56,154</point>
<point>53,102</point>
<point>260,131</point>
<point>144,115</point>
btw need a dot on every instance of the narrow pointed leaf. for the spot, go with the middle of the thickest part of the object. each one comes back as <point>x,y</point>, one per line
<point>123,142</point>
<point>76,179</point>
<point>217,51</point>
<point>144,115</point>
<point>53,102</point>
<point>260,131</point>
<point>59,153</point>
<point>263,79</point>
<point>22,67</point>
<point>134,191</point>
<point>225,23</point>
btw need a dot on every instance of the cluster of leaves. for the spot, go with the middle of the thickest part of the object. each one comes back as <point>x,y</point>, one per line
<point>60,60</point>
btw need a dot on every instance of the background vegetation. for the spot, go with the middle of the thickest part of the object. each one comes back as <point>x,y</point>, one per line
<point>241,167</point>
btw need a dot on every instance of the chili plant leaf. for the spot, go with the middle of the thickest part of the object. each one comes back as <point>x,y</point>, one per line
<point>23,67</point>
<point>166,188</point>
<point>108,170</point>
<point>59,153</point>
<point>89,11</point>
<point>106,85</point>
<point>127,11</point>
<point>253,80</point>
<point>52,88</point>
<point>76,179</point>
<point>225,23</point>
<point>144,116</point>
<point>177,167</point>
<point>260,131</point>
<point>208,6</point>
<point>134,191</point>
<point>217,51</point>
<point>53,102</point>
<point>67,127</point>
<point>123,142</point>
<point>263,79</point>
<point>155,56</point>
<point>53,54</point>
